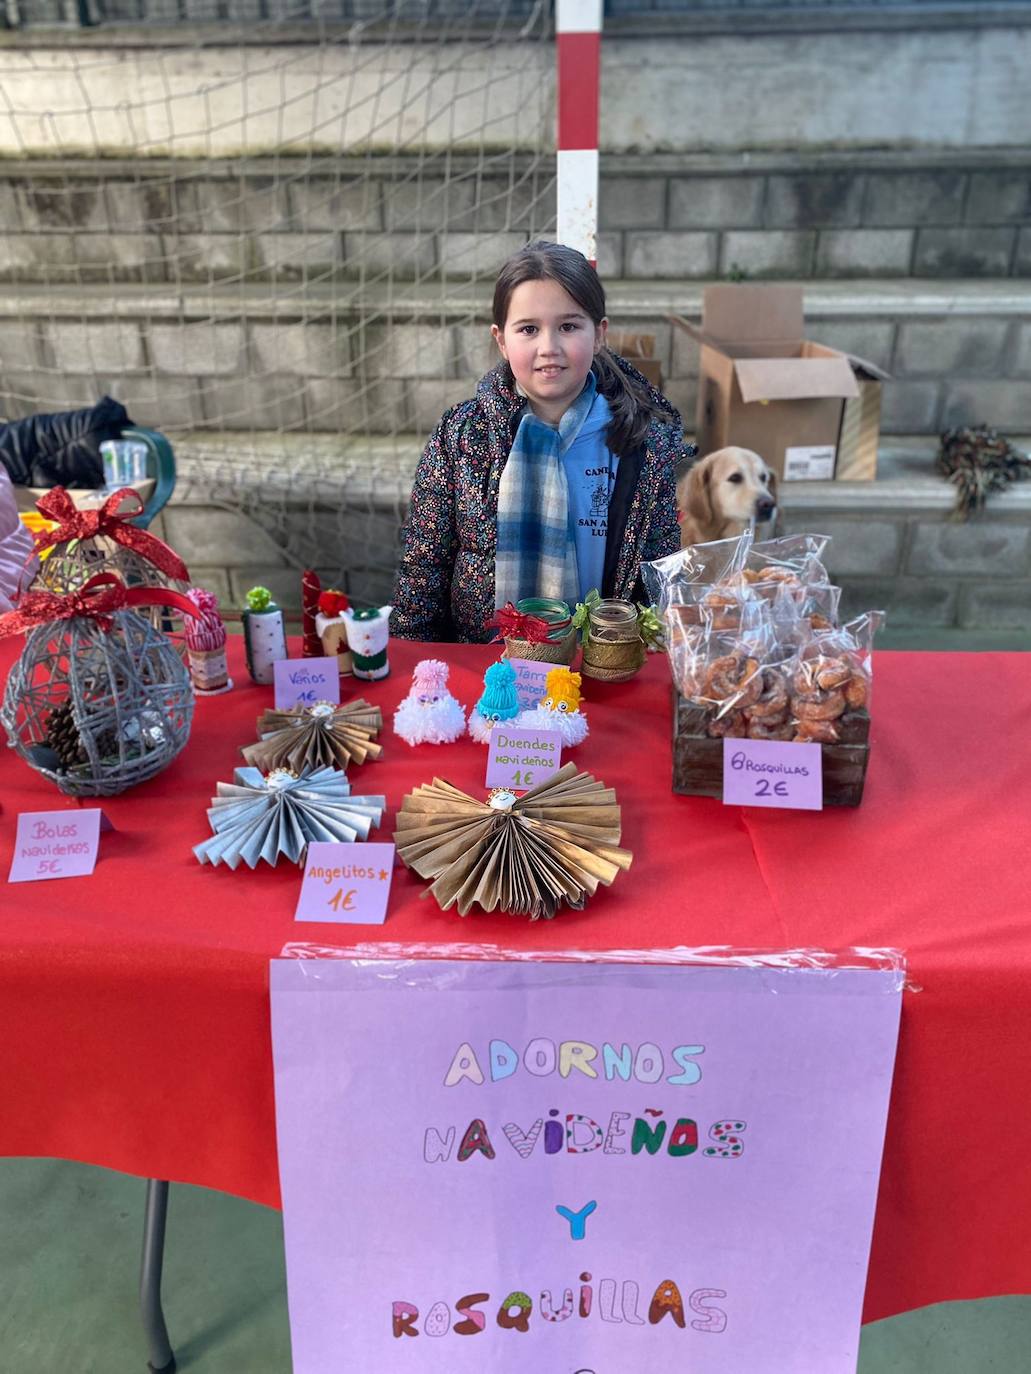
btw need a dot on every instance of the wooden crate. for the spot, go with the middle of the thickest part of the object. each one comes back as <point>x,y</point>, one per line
<point>698,760</point>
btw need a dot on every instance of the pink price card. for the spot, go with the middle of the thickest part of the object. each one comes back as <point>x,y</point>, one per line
<point>346,883</point>
<point>530,681</point>
<point>304,681</point>
<point>56,844</point>
<point>520,759</point>
<point>766,772</point>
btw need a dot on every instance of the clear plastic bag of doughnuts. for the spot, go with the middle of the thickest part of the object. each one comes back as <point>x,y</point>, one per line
<point>800,554</point>
<point>832,682</point>
<point>720,671</point>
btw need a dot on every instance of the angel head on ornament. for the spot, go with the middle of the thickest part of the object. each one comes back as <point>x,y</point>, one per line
<point>429,713</point>
<point>499,701</point>
<point>559,708</point>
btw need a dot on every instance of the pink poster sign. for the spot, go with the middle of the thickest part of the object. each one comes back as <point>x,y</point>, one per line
<point>595,1168</point>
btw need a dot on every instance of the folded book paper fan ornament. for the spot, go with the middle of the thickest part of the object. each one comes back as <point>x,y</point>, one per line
<point>530,854</point>
<point>257,817</point>
<point>319,736</point>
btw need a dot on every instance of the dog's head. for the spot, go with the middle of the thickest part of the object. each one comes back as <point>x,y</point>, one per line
<point>730,484</point>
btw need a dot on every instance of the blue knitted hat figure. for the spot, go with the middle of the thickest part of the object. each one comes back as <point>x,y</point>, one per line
<point>498,702</point>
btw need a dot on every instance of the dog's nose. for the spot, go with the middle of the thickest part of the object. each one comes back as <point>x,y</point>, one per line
<point>764,508</point>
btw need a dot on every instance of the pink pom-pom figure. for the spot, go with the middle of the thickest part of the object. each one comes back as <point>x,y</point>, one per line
<point>206,645</point>
<point>429,713</point>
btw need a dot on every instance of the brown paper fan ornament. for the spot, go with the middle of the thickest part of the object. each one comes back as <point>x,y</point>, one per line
<point>529,854</point>
<point>319,736</point>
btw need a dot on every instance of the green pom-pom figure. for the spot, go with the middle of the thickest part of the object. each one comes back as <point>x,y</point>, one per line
<point>264,636</point>
<point>259,599</point>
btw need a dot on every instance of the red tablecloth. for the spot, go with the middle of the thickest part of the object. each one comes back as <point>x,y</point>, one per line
<point>134,1023</point>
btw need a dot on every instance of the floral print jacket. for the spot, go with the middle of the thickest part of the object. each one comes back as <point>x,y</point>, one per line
<point>445,582</point>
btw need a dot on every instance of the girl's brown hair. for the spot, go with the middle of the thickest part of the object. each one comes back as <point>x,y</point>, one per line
<point>631,406</point>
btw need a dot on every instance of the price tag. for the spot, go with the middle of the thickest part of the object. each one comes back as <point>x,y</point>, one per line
<point>521,759</point>
<point>304,681</point>
<point>56,844</point>
<point>530,677</point>
<point>766,772</point>
<point>809,463</point>
<point>346,883</point>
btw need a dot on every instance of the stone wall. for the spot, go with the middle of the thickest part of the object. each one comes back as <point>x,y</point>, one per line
<point>670,217</point>
<point>958,354</point>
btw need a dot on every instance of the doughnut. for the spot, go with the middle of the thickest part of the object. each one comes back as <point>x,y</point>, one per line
<point>771,729</point>
<point>772,701</point>
<point>856,692</point>
<point>730,726</point>
<point>828,706</point>
<point>734,675</point>
<point>666,1302</point>
<point>830,672</point>
<point>815,732</point>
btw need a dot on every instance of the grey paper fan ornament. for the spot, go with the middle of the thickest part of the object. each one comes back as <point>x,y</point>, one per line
<point>262,816</point>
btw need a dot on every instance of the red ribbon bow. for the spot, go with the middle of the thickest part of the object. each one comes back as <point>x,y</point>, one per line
<point>108,519</point>
<point>99,598</point>
<point>516,624</point>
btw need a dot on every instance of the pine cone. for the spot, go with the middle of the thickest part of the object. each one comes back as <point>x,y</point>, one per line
<point>62,735</point>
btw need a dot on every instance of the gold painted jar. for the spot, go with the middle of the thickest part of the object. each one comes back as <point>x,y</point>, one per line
<point>614,650</point>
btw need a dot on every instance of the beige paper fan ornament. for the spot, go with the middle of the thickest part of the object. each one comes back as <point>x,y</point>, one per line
<point>319,736</point>
<point>528,854</point>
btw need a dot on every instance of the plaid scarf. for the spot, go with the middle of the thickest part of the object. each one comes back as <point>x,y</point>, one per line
<point>536,549</point>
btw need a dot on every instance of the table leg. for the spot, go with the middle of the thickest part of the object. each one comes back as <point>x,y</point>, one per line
<point>162,1360</point>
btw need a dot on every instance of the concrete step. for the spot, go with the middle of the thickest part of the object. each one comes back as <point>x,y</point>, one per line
<point>375,356</point>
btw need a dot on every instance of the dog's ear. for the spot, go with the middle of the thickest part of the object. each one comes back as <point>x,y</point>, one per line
<point>699,496</point>
<point>771,487</point>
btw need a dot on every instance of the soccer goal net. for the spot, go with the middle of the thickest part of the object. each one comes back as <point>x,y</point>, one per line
<point>270,228</point>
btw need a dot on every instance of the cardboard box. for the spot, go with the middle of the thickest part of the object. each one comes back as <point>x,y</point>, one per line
<point>638,349</point>
<point>811,412</point>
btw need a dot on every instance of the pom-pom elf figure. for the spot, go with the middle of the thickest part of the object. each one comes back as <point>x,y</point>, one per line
<point>559,708</point>
<point>429,713</point>
<point>499,701</point>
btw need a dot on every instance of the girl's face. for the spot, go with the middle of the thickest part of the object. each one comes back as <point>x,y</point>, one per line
<point>549,341</point>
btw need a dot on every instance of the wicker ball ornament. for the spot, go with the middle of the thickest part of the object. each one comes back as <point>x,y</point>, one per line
<point>104,540</point>
<point>97,711</point>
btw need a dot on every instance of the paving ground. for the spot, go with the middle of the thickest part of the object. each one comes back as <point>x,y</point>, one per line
<point>70,1239</point>
<point>69,1250</point>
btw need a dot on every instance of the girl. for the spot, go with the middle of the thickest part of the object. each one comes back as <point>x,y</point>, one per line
<point>557,477</point>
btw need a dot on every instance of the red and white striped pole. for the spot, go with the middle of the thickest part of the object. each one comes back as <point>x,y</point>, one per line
<point>578,29</point>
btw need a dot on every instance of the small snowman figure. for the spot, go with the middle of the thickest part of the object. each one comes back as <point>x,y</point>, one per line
<point>498,702</point>
<point>559,709</point>
<point>367,634</point>
<point>429,713</point>
<point>264,637</point>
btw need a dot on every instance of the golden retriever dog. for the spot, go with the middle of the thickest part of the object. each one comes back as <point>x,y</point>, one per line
<point>720,496</point>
